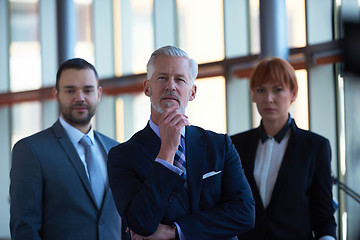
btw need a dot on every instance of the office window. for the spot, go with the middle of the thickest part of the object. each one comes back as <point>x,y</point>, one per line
<point>142,34</point>
<point>133,35</point>
<point>26,120</point>
<point>254,14</point>
<point>25,57</point>
<point>84,46</point>
<point>296,24</point>
<point>201,32</point>
<point>208,109</point>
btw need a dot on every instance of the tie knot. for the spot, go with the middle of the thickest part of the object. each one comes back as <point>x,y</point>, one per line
<point>86,141</point>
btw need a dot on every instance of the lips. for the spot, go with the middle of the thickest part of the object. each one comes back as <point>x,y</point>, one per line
<point>80,108</point>
<point>269,109</point>
<point>170,97</point>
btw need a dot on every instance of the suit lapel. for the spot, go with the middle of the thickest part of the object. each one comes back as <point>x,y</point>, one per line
<point>195,147</point>
<point>105,148</point>
<point>73,156</point>
<point>149,143</point>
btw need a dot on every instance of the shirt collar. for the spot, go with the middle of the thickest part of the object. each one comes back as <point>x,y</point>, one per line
<point>75,134</point>
<point>279,136</point>
<point>155,128</point>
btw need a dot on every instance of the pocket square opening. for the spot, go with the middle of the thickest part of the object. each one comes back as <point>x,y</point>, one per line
<point>210,174</point>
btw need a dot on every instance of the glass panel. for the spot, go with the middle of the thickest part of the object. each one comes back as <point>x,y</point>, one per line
<point>300,108</point>
<point>201,33</point>
<point>254,26</point>
<point>84,46</point>
<point>133,35</point>
<point>296,24</point>
<point>208,109</point>
<point>25,56</point>
<point>132,114</point>
<point>142,34</point>
<point>26,120</point>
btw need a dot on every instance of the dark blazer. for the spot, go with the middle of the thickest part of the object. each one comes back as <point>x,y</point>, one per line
<point>301,201</point>
<point>218,205</point>
<point>51,197</point>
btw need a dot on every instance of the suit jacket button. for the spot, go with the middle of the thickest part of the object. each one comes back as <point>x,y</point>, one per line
<point>172,196</point>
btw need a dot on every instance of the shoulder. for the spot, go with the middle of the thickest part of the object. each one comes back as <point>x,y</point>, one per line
<point>309,136</point>
<point>212,139</point>
<point>244,136</point>
<point>107,140</point>
<point>135,141</point>
<point>196,130</point>
<point>41,137</point>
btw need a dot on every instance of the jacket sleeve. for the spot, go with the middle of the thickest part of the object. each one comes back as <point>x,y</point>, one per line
<point>25,194</point>
<point>323,210</point>
<point>141,200</point>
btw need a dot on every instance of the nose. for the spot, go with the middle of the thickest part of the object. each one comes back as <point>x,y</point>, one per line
<point>270,97</point>
<point>79,96</point>
<point>170,85</point>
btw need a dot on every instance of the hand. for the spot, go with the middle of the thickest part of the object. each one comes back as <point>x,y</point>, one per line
<point>163,232</point>
<point>170,124</point>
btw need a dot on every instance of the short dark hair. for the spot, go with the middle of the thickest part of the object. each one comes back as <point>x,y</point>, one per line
<point>74,63</point>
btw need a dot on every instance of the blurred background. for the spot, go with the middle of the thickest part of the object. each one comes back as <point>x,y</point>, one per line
<point>226,38</point>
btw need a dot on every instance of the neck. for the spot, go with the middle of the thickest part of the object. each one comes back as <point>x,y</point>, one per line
<point>155,116</point>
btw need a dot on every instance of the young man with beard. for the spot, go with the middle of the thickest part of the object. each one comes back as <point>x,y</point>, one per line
<point>173,180</point>
<point>58,190</point>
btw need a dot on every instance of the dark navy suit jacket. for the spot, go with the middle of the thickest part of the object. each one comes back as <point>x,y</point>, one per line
<point>217,203</point>
<point>301,201</point>
<point>51,197</point>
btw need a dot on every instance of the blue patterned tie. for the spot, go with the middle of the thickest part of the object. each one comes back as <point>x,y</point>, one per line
<point>97,180</point>
<point>179,160</point>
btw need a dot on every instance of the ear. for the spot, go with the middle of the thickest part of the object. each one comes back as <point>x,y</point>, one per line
<point>193,92</point>
<point>293,96</point>
<point>99,92</point>
<point>147,88</point>
<point>55,94</point>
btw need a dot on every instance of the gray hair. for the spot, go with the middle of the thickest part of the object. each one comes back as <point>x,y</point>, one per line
<point>174,52</point>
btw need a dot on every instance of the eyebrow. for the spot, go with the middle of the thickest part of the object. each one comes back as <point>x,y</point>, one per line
<point>86,86</point>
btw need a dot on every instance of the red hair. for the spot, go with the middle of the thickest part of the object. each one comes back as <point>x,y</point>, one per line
<point>274,70</point>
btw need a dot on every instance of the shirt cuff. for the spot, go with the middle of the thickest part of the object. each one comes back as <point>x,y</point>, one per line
<point>169,166</point>
<point>327,237</point>
<point>181,235</point>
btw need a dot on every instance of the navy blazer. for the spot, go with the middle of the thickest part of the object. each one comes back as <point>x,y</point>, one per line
<point>217,203</point>
<point>50,194</point>
<point>301,201</point>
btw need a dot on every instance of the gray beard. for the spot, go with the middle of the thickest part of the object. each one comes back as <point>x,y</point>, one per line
<point>158,108</point>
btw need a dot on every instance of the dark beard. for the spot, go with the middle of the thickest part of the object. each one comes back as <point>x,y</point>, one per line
<point>73,120</point>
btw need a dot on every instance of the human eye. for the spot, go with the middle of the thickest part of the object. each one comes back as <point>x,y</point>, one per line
<point>161,78</point>
<point>279,89</point>
<point>182,80</point>
<point>88,90</point>
<point>259,90</point>
<point>69,90</point>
